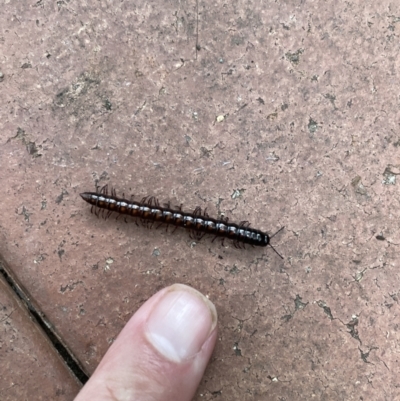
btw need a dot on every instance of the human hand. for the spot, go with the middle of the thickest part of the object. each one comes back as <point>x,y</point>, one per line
<point>161,353</point>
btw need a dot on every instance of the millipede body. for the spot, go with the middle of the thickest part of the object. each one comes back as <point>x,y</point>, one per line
<point>197,222</point>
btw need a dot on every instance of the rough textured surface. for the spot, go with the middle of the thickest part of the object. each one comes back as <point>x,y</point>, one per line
<point>29,366</point>
<point>285,114</point>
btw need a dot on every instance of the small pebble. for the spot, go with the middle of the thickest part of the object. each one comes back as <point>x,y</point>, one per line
<point>1,76</point>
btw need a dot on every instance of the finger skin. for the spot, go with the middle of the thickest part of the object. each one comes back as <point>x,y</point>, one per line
<point>135,369</point>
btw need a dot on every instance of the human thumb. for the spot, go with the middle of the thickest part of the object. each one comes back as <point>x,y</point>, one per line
<point>161,353</point>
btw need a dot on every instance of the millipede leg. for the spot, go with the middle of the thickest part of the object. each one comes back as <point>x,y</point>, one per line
<point>104,190</point>
<point>244,224</point>
<point>197,211</point>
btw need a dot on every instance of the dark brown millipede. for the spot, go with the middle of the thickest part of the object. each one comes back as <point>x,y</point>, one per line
<point>198,222</point>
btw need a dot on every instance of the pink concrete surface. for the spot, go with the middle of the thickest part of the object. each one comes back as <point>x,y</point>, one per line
<point>279,113</point>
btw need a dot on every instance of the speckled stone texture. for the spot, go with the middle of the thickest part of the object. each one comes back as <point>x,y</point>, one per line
<point>279,113</point>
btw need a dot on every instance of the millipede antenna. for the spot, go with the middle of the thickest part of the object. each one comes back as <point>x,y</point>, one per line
<point>272,236</point>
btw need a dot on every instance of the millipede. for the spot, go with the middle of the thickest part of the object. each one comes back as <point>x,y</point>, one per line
<point>198,222</point>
